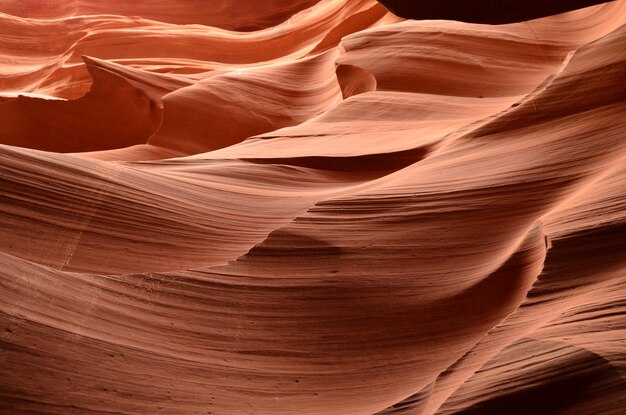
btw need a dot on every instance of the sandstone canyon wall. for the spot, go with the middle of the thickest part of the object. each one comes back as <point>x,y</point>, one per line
<point>312,207</point>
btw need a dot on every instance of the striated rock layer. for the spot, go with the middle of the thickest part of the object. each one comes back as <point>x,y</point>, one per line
<point>312,207</point>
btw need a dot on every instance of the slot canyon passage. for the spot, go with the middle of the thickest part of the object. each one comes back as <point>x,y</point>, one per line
<point>312,207</point>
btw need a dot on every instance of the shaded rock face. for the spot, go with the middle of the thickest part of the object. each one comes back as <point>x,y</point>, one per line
<point>484,11</point>
<point>225,14</point>
<point>344,212</point>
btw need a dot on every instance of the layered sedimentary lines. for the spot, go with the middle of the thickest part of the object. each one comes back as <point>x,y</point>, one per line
<point>312,207</point>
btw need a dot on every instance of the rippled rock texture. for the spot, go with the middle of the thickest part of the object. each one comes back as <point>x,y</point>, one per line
<point>312,207</point>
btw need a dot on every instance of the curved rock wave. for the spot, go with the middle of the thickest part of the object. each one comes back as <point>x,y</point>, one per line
<point>311,208</point>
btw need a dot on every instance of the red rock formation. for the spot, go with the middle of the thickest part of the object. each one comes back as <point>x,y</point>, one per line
<point>342,213</point>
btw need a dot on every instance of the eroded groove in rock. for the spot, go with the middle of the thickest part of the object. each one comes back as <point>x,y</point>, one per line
<point>312,208</point>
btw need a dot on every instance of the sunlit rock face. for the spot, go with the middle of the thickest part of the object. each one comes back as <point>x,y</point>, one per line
<point>312,207</point>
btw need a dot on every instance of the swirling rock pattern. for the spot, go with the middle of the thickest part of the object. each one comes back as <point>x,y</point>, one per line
<point>312,207</point>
